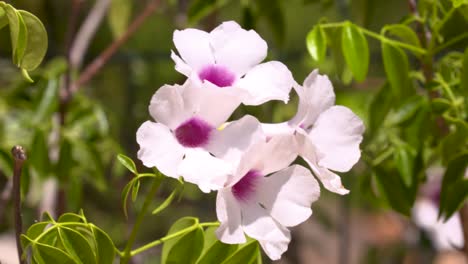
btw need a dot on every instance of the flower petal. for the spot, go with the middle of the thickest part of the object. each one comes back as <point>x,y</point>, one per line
<point>278,153</point>
<point>337,134</point>
<point>232,141</point>
<point>330,180</point>
<point>288,195</point>
<point>318,96</point>
<point>258,224</point>
<point>213,104</point>
<point>237,48</point>
<point>229,215</point>
<point>277,129</point>
<point>180,65</point>
<point>267,81</point>
<point>159,148</point>
<point>204,170</point>
<point>193,46</point>
<point>167,106</point>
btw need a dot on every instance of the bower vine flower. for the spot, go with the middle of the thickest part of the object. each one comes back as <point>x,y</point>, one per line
<point>263,194</point>
<point>186,120</point>
<point>229,57</point>
<point>329,135</point>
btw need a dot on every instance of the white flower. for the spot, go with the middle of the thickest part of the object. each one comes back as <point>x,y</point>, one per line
<point>329,135</point>
<point>228,57</point>
<point>263,196</point>
<point>187,117</point>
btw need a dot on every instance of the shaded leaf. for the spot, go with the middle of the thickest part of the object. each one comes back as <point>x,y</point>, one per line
<point>271,10</point>
<point>355,50</point>
<point>215,251</point>
<point>246,254</point>
<point>39,156</point>
<point>379,108</point>
<point>397,69</point>
<point>182,223</point>
<point>187,249</point>
<point>76,245</point>
<point>464,76</point>
<point>451,195</point>
<point>119,15</point>
<point>47,254</point>
<point>104,246</point>
<point>198,9</point>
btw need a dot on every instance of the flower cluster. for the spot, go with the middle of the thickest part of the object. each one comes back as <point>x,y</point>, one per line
<point>249,164</point>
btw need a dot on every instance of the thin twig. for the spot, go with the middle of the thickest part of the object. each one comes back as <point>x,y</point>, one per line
<point>464,223</point>
<point>19,156</point>
<point>87,31</point>
<point>94,67</point>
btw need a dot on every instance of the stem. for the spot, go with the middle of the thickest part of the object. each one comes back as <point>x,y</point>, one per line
<point>380,38</point>
<point>450,42</point>
<point>19,156</point>
<point>94,67</point>
<point>149,197</point>
<point>464,223</point>
<point>171,236</point>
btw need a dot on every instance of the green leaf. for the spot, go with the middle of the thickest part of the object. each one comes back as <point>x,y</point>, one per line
<point>215,251</point>
<point>187,249</point>
<point>394,191</point>
<point>440,105</point>
<point>127,188</point>
<point>246,254</point>
<point>450,195</point>
<point>458,3</point>
<point>76,245</point>
<point>128,163</point>
<point>397,69</point>
<point>379,108</point>
<point>119,15</point>
<point>36,45</point>
<point>46,254</point>
<point>317,43</point>
<point>404,159</point>
<point>455,143</point>
<point>71,218</point>
<point>403,32</point>
<point>464,76</point>
<point>355,50</point>
<point>182,223</point>
<point>105,248</point>
<point>39,156</point>
<point>65,162</point>
<point>3,18</point>
<point>17,33</point>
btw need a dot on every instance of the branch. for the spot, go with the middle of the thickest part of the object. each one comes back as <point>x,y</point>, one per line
<point>19,156</point>
<point>94,67</point>
<point>87,31</point>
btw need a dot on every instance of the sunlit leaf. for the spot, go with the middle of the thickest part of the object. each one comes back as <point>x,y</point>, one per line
<point>404,33</point>
<point>215,251</point>
<point>36,46</point>
<point>355,50</point>
<point>128,163</point>
<point>187,249</point>
<point>317,43</point>
<point>46,254</point>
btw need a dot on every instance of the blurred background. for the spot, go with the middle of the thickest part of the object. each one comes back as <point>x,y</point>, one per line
<point>102,118</point>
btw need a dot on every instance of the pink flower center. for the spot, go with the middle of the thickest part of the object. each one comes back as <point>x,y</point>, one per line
<point>193,133</point>
<point>217,75</point>
<point>244,188</point>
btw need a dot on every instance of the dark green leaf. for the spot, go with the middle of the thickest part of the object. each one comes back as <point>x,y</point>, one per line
<point>406,111</point>
<point>458,195</point>
<point>246,254</point>
<point>355,50</point>
<point>271,10</point>
<point>404,159</point>
<point>47,254</point>
<point>187,249</point>
<point>379,108</point>
<point>317,43</point>
<point>36,45</point>
<point>453,176</point>
<point>48,103</point>
<point>65,162</point>
<point>182,223</point>
<point>77,245</point>
<point>440,105</point>
<point>104,246</point>
<point>135,189</point>
<point>404,33</point>
<point>128,163</point>
<point>455,142</point>
<point>397,69</point>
